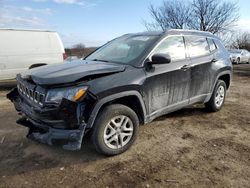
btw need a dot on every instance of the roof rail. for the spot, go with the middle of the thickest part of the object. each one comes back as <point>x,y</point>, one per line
<point>189,30</point>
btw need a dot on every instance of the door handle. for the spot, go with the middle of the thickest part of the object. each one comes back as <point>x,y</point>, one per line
<point>185,67</point>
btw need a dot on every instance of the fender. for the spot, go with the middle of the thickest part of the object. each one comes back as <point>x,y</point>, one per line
<point>110,98</point>
<point>227,72</point>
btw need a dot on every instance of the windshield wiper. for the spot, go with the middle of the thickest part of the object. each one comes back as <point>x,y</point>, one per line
<point>106,61</point>
<point>100,60</point>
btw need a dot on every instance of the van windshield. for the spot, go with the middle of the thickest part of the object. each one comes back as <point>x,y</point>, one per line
<point>124,50</point>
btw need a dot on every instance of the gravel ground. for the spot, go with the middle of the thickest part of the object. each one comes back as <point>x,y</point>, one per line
<point>188,148</point>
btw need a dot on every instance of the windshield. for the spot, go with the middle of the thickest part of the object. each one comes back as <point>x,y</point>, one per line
<point>235,51</point>
<point>124,50</point>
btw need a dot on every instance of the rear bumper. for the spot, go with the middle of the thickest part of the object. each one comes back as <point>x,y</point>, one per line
<point>49,126</point>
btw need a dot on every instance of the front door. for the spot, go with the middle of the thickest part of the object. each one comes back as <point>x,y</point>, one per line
<point>167,85</point>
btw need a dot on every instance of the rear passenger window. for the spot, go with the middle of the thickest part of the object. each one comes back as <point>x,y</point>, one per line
<point>197,46</point>
<point>174,46</point>
<point>212,45</point>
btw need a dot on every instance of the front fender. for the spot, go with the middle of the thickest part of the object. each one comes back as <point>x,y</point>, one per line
<point>111,98</point>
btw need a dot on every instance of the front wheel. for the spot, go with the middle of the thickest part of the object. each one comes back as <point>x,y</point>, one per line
<point>218,97</point>
<point>115,129</point>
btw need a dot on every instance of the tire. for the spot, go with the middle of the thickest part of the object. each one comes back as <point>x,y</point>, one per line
<point>108,131</point>
<point>216,101</point>
<point>238,61</point>
<point>248,61</point>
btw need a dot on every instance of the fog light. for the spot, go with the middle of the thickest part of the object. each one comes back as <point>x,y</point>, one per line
<point>73,136</point>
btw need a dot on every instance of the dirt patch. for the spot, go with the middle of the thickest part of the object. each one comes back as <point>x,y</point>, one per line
<point>188,148</point>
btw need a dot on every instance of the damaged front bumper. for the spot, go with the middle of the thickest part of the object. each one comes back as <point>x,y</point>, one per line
<point>51,125</point>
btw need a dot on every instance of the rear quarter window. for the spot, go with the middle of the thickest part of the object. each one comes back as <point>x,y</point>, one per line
<point>212,45</point>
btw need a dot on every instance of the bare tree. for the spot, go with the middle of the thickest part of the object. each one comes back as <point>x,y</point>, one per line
<point>172,14</point>
<point>206,15</point>
<point>214,16</point>
<point>80,48</point>
<point>241,41</point>
<point>227,38</point>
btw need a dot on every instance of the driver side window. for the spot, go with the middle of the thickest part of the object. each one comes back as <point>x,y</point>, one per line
<point>174,46</point>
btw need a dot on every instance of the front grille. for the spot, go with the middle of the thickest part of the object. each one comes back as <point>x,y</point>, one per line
<point>32,95</point>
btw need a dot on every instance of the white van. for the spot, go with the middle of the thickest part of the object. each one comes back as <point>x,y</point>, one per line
<point>24,49</point>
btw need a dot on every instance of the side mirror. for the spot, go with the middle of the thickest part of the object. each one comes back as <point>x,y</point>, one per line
<point>161,59</point>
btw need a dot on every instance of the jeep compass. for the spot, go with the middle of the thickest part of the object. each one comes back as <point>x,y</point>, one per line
<point>127,82</point>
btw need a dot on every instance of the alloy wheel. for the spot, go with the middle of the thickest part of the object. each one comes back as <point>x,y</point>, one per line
<point>220,96</point>
<point>118,132</point>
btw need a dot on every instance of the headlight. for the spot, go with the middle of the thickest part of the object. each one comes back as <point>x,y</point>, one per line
<point>73,94</point>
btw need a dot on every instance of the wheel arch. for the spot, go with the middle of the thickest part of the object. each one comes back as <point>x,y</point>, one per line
<point>37,65</point>
<point>226,76</point>
<point>132,99</point>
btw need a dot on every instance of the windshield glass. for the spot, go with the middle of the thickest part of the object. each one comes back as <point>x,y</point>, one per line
<point>235,51</point>
<point>123,50</point>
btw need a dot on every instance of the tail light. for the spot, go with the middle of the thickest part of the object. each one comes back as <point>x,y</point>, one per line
<point>64,56</point>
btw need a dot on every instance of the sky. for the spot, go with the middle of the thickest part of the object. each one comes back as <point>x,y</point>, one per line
<point>91,22</point>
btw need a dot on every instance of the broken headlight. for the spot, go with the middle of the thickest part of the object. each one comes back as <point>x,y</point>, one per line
<point>72,93</point>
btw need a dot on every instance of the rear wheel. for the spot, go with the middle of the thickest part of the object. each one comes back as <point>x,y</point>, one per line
<point>115,129</point>
<point>238,61</point>
<point>218,97</point>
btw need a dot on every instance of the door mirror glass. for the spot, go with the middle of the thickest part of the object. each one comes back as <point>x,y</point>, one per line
<point>161,59</point>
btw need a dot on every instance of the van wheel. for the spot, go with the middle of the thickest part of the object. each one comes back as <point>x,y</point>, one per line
<point>218,97</point>
<point>115,129</point>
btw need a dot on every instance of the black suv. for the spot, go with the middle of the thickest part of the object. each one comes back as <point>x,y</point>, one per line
<point>129,81</point>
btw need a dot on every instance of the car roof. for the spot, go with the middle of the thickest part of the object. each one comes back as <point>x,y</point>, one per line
<point>30,30</point>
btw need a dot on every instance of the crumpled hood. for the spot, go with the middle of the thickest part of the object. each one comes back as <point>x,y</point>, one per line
<point>70,72</point>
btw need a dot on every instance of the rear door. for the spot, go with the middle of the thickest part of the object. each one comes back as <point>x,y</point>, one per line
<point>201,52</point>
<point>167,85</point>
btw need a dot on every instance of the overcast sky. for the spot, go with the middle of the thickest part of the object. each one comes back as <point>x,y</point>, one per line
<point>92,22</point>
